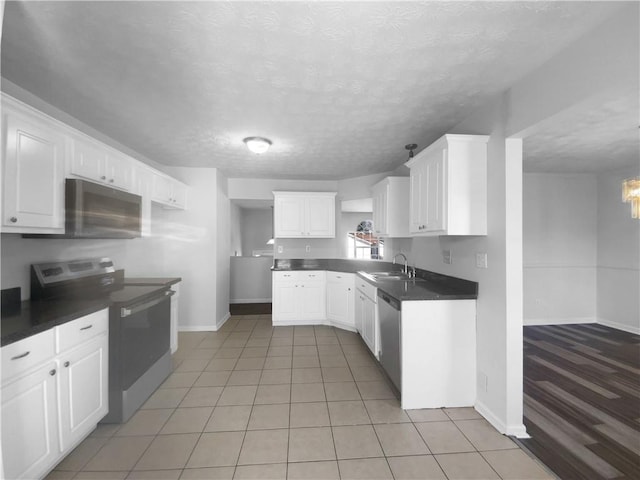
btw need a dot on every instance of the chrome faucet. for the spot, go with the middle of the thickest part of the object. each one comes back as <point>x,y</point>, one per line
<point>406,262</point>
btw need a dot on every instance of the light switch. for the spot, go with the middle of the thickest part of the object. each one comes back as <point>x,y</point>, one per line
<point>280,248</point>
<point>446,256</point>
<point>481,260</point>
<point>307,248</point>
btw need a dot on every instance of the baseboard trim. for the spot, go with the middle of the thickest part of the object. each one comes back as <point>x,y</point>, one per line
<point>250,300</point>
<point>527,322</point>
<point>619,326</point>
<point>222,321</point>
<point>196,328</point>
<point>518,430</point>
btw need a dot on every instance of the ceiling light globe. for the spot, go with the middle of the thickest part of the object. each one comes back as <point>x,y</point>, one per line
<point>257,144</point>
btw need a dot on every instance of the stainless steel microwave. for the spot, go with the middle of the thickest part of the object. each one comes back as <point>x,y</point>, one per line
<point>98,211</point>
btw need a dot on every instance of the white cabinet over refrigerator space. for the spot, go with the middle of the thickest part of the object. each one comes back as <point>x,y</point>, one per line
<point>448,187</point>
<point>304,214</point>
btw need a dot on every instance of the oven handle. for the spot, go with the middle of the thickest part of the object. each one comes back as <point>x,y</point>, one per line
<point>125,312</point>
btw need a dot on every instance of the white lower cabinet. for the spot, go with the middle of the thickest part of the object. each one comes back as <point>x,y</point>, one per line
<point>54,392</point>
<point>299,297</point>
<point>367,315</point>
<point>340,300</point>
<point>29,423</point>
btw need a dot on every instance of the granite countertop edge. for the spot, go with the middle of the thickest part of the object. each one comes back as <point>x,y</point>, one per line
<point>430,286</point>
<point>38,317</point>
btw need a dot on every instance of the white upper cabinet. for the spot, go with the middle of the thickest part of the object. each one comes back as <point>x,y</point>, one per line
<point>168,191</point>
<point>391,207</point>
<point>33,164</point>
<point>448,187</point>
<point>98,163</point>
<point>304,214</point>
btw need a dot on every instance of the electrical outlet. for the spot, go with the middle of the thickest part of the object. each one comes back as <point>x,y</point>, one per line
<point>307,248</point>
<point>481,260</point>
<point>280,249</point>
<point>446,256</point>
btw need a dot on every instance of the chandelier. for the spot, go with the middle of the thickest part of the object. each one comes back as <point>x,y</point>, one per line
<point>631,194</point>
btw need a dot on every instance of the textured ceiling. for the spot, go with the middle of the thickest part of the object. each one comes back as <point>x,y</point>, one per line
<point>588,139</point>
<point>339,87</point>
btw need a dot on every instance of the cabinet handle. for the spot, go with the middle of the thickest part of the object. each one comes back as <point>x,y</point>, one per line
<point>349,289</point>
<point>87,327</point>
<point>103,177</point>
<point>52,372</point>
<point>22,355</point>
<point>66,364</point>
<point>111,180</point>
<point>311,275</point>
<point>13,219</point>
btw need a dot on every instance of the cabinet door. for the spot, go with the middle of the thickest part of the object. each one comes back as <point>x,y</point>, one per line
<point>417,215</point>
<point>83,390</point>
<point>359,311</point>
<point>286,301</point>
<point>33,158</point>
<point>162,188</point>
<point>368,325</point>
<point>119,171</point>
<point>320,216</point>
<point>380,199</point>
<point>88,160</point>
<point>29,424</point>
<point>312,300</point>
<point>435,186</point>
<point>337,302</point>
<point>289,213</point>
<point>179,195</point>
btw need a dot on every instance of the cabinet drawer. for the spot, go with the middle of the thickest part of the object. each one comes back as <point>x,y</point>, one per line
<point>313,276</point>
<point>339,277</point>
<point>20,356</point>
<point>366,288</point>
<point>77,331</point>
<point>288,276</point>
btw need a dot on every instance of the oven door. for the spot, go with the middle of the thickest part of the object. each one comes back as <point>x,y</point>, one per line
<point>144,336</point>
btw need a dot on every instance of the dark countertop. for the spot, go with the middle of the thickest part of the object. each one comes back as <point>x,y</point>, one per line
<point>427,285</point>
<point>162,281</point>
<point>36,317</point>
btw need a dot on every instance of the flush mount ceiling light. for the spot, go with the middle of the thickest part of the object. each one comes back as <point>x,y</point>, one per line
<point>631,194</point>
<point>257,144</point>
<point>411,147</point>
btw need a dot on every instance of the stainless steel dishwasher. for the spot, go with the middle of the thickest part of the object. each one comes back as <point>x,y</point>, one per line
<point>390,342</point>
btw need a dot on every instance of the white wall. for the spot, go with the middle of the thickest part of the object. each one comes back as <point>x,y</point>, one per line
<point>618,255</point>
<point>235,230</point>
<point>223,269</point>
<point>140,257</point>
<point>250,280</point>
<point>560,248</point>
<point>193,250</point>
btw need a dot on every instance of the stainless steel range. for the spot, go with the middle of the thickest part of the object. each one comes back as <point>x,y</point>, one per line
<point>139,326</point>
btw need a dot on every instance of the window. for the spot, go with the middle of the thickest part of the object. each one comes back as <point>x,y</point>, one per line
<point>363,244</point>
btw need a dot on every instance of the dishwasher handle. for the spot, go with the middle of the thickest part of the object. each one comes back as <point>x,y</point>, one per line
<point>395,304</point>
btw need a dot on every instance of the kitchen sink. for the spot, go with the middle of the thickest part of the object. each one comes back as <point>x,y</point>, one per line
<point>394,275</point>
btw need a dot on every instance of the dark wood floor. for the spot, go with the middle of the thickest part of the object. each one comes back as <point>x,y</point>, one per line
<point>250,308</point>
<point>582,400</point>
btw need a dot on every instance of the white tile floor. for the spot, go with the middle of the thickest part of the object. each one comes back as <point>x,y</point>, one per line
<point>253,401</point>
